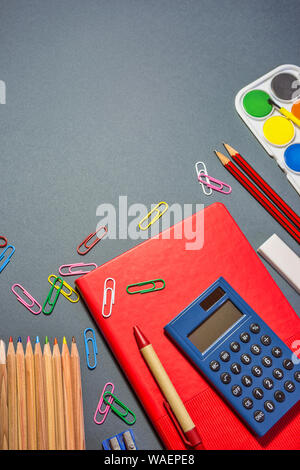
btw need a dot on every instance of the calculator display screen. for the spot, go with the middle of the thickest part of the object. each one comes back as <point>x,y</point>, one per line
<point>215,326</point>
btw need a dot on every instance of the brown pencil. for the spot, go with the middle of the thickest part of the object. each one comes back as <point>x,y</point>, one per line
<point>40,397</point>
<point>49,390</point>
<point>77,397</point>
<point>68,398</point>
<point>3,399</point>
<point>58,398</point>
<point>21,396</point>
<point>30,394</point>
<point>12,396</point>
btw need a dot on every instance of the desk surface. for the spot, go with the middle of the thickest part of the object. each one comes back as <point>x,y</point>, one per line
<point>99,93</point>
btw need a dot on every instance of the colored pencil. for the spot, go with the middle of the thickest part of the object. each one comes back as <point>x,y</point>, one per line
<point>41,416</point>
<point>58,398</point>
<point>21,396</point>
<point>30,395</point>
<point>77,397</point>
<point>49,391</point>
<point>12,396</point>
<point>3,399</point>
<point>263,185</point>
<point>259,196</point>
<point>68,398</point>
<point>174,401</point>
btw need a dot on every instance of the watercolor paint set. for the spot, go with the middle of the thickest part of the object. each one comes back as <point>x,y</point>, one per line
<point>270,106</point>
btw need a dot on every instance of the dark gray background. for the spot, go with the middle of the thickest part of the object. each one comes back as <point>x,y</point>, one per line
<point>109,98</point>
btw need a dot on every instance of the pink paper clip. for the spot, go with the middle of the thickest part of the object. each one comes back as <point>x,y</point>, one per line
<point>20,299</point>
<point>107,408</point>
<point>69,269</point>
<point>206,179</point>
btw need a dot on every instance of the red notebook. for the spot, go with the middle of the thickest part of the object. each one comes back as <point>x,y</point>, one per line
<point>227,253</point>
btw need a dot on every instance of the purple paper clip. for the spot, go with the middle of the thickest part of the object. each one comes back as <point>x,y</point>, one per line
<point>70,268</point>
<point>28,306</point>
<point>207,180</point>
<point>107,408</point>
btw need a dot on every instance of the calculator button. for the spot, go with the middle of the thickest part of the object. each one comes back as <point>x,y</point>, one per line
<point>276,351</point>
<point>269,406</point>
<point>278,374</point>
<point>214,365</point>
<point>268,383</point>
<point>226,378</point>
<point>235,368</point>
<point>224,356</point>
<point>236,390</point>
<point>266,340</point>
<point>248,403</point>
<point>234,346</point>
<point>258,393</point>
<point>289,386</point>
<point>259,416</point>
<point>255,349</point>
<point>246,380</point>
<point>255,328</point>
<point>266,361</point>
<point>245,358</point>
<point>279,396</point>
<point>297,376</point>
<point>257,371</point>
<point>245,337</point>
<point>288,364</point>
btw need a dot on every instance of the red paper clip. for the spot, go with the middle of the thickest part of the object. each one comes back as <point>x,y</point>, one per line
<point>4,240</point>
<point>88,238</point>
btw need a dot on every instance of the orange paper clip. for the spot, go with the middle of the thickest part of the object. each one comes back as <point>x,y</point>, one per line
<point>88,238</point>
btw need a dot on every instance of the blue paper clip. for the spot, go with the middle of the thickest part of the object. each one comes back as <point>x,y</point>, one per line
<point>87,351</point>
<point>7,260</point>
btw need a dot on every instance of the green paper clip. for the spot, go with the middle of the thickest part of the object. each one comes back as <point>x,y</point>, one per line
<point>48,299</point>
<point>118,412</point>
<point>144,291</point>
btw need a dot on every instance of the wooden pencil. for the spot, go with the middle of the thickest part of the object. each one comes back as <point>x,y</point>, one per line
<point>3,399</point>
<point>12,396</point>
<point>77,397</point>
<point>30,395</point>
<point>58,398</point>
<point>49,390</point>
<point>21,396</point>
<point>68,398</point>
<point>40,397</point>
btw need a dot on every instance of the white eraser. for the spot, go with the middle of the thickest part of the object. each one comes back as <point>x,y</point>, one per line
<point>283,259</point>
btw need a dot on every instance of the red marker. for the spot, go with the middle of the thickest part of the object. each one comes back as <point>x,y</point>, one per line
<point>186,424</point>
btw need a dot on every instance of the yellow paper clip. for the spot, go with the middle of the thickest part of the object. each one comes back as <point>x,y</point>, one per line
<point>67,294</point>
<point>158,214</point>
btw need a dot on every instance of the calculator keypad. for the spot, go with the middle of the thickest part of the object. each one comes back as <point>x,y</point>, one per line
<point>263,377</point>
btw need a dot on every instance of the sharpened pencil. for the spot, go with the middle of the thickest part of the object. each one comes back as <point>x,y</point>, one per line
<point>68,398</point>
<point>77,397</point>
<point>58,398</point>
<point>49,390</point>
<point>21,396</point>
<point>12,396</point>
<point>41,417</point>
<point>30,395</point>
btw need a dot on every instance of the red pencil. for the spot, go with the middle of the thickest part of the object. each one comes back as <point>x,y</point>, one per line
<point>259,196</point>
<point>263,185</point>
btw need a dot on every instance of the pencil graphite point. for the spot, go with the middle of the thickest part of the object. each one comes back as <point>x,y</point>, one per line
<point>19,339</point>
<point>55,340</point>
<point>223,159</point>
<point>28,339</point>
<point>64,340</point>
<point>37,339</point>
<point>10,339</point>
<point>46,340</point>
<point>73,339</point>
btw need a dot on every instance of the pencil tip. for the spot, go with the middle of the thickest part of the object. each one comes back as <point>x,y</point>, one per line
<point>64,340</point>
<point>73,339</point>
<point>37,339</point>
<point>10,339</point>
<point>28,339</point>
<point>55,340</point>
<point>46,340</point>
<point>19,339</point>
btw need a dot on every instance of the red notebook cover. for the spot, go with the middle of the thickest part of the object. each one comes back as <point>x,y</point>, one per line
<point>227,253</point>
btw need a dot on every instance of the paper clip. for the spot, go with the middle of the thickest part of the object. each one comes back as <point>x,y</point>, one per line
<point>122,406</point>
<point>67,294</point>
<point>4,240</point>
<point>20,299</point>
<point>159,213</point>
<point>107,408</point>
<point>7,260</point>
<point>144,291</point>
<point>70,268</point>
<point>112,299</point>
<point>203,170</point>
<point>220,184</point>
<point>87,351</point>
<point>48,299</point>
<point>88,238</point>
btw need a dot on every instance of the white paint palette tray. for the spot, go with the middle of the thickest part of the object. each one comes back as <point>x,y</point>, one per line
<point>278,134</point>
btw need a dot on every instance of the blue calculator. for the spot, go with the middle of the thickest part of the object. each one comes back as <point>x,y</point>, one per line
<point>239,354</point>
